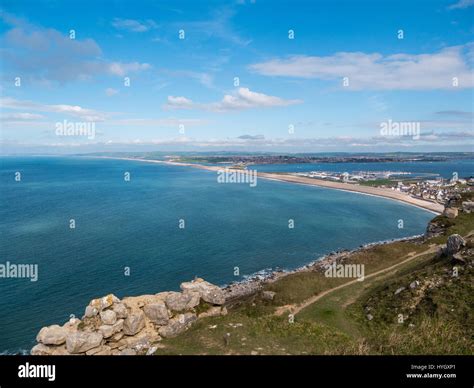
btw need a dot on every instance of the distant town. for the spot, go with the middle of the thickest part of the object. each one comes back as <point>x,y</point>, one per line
<point>438,190</point>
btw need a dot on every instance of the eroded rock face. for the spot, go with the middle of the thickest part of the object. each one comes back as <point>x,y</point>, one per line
<point>104,302</point>
<point>177,301</point>
<point>108,317</point>
<point>52,335</point>
<point>81,342</point>
<point>454,244</point>
<point>109,330</point>
<point>134,323</point>
<point>102,350</point>
<point>44,350</point>
<point>131,326</point>
<point>120,310</point>
<point>157,313</point>
<point>208,292</point>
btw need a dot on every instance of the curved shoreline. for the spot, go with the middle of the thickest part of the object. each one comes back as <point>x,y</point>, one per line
<point>432,207</point>
<point>254,282</point>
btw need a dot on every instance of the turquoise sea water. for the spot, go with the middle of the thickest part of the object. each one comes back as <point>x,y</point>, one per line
<point>135,224</point>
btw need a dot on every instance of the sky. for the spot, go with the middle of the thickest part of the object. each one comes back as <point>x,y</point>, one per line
<point>248,75</point>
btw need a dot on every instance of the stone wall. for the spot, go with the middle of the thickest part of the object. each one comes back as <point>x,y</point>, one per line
<point>133,325</point>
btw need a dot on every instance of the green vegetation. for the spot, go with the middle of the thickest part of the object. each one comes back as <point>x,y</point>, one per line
<point>437,311</point>
<point>379,182</point>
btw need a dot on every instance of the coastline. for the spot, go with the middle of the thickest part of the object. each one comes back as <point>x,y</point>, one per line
<point>432,207</point>
<point>255,282</point>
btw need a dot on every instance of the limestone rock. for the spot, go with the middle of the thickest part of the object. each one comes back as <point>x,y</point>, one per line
<point>142,341</point>
<point>210,293</point>
<point>116,337</point>
<point>399,290</point>
<point>128,352</point>
<point>109,330</point>
<point>268,295</point>
<point>81,342</point>
<point>43,350</point>
<point>102,350</point>
<point>177,325</point>
<point>157,313</point>
<point>134,323</point>
<point>52,335</point>
<point>454,244</point>
<point>104,302</point>
<point>450,212</point>
<point>108,317</point>
<point>177,301</point>
<point>414,284</point>
<point>121,310</point>
<point>72,324</point>
<point>91,311</point>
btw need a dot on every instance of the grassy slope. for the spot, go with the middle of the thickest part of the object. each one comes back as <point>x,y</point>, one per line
<point>437,320</point>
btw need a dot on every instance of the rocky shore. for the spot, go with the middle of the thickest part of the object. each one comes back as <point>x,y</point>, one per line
<point>136,325</point>
<point>133,325</point>
<point>256,283</point>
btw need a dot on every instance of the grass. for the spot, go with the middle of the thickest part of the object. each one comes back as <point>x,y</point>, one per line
<point>379,182</point>
<point>439,320</point>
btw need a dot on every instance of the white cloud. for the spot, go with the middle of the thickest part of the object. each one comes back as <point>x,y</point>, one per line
<point>122,69</point>
<point>45,55</point>
<point>243,98</point>
<point>134,25</point>
<point>23,116</point>
<point>165,122</point>
<point>71,110</point>
<point>179,102</point>
<point>378,72</point>
<point>461,4</point>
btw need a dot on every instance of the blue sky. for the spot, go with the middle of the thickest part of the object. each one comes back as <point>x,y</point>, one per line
<point>345,72</point>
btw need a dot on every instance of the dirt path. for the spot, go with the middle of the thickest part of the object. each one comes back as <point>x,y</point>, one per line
<point>296,308</point>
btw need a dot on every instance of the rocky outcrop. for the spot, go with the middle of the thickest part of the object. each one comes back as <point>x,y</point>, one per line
<point>133,325</point>
<point>207,291</point>
<point>451,212</point>
<point>81,341</point>
<point>52,335</point>
<point>454,244</point>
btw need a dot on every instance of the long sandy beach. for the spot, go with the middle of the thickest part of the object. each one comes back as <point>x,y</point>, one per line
<point>283,177</point>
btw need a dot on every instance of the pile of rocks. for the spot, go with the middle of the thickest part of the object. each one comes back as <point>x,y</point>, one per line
<point>133,325</point>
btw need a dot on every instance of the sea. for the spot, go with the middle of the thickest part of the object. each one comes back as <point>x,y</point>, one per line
<point>95,226</point>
